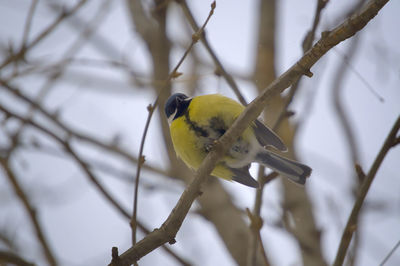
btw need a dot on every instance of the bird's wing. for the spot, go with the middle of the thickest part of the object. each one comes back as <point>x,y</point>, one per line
<point>295,171</point>
<point>266,137</point>
<point>242,176</point>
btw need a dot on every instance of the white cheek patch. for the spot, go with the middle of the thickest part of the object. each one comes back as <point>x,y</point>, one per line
<point>171,117</point>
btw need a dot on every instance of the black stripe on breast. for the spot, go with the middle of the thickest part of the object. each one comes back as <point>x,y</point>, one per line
<point>193,125</point>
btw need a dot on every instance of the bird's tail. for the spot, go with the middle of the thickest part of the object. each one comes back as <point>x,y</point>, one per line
<point>295,171</point>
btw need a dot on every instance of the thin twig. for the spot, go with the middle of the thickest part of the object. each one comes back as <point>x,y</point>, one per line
<point>91,177</point>
<point>351,225</point>
<point>363,80</point>
<point>30,210</point>
<point>256,224</point>
<point>52,117</point>
<point>390,254</point>
<point>220,70</point>
<point>66,145</point>
<point>263,74</point>
<point>174,73</point>
<point>170,227</point>
<point>346,126</point>
<point>22,52</point>
<point>27,28</point>
<point>28,23</point>
<point>307,44</point>
<point>102,44</point>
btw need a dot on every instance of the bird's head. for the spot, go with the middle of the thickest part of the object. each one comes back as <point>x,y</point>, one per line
<point>176,106</point>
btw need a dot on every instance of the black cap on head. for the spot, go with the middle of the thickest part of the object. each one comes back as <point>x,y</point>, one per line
<point>176,105</point>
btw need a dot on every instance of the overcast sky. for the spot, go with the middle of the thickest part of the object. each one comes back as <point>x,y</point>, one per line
<point>82,226</point>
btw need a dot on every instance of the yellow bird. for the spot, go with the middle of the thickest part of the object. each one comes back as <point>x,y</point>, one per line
<point>195,123</point>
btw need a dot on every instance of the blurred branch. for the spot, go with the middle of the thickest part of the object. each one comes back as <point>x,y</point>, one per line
<point>7,240</point>
<point>351,225</point>
<point>97,40</point>
<point>66,145</point>
<point>30,210</point>
<point>263,74</point>
<point>220,70</point>
<point>95,164</point>
<point>343,118</point>
<point>52,117</point>
<point>167,232</point>
<point>20,55</point>
<point>28,23</point>
<point>217,205</point>
<point>345,123</point>
<point>390,253</point>
<point>256,224</point>
<point>88,173</point>
<point>307,44</point>
<point>8,257</point>
<point>336,89</point>
<point>296,200</point>
<point>174,73</point>
<point>71,133</point>
<point>27,27</point>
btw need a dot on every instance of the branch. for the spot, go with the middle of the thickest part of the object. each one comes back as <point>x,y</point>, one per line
<point>30,210</point>
<point>351,225</point>
<point>25,48</point>
<point>307,44</point>
<point>8,257</point>
<point>68,131</point>
<point>89,174</point>
<point>220,70</point>
<point>168,230</point>
<point>263,74</point>
<point>390,253</point>
<point>174,73</point>
<point>28,24</point>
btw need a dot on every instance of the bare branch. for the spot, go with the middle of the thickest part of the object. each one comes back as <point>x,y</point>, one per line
<point>263,74</point>
<point>28,23</point>
<point>23,51</point>
<point>30,210</point>
<point>89,174</point>
<point>151,109</point>
<point>351,225</point>
<point>67,130</point>
<point>170,227</point>
<point>8,257</point>
<point>336,89</point>
<point>220,70</point>
<point>256,224</point>
<point>307,44</point>
<point>390,253</point>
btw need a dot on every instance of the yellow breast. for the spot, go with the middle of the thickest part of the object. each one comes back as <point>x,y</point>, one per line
<point>188,146</point>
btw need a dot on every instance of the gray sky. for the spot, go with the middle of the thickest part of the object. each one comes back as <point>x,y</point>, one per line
<point>82,227</point>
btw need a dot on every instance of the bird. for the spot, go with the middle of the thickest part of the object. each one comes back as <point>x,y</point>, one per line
<point>196,123</point>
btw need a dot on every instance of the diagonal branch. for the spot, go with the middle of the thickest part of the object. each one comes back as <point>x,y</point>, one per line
<point>351,225</point>
<point>219,67</point>
<point>52,117</point>
<point>25,48</point>
<point>14,259</point>
<point>174,73</point>
<point>30,210</point>
<point>89,174</point>
<point>307,44</point>
<point>168,230</point>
